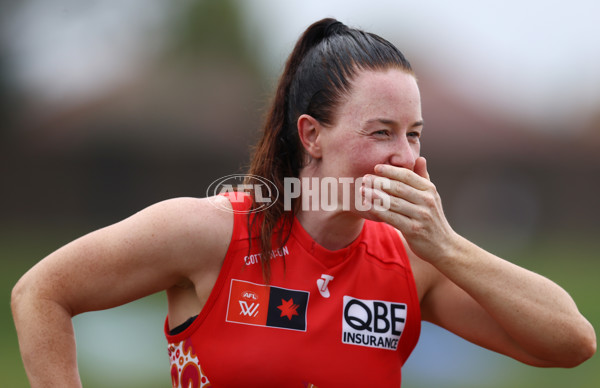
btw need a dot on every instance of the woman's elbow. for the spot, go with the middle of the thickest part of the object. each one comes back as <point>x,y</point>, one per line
<point>24,297</point>
<point>16,297</point>
<point>581,346</point>
<point>586,345</point>
<point>573,347</point>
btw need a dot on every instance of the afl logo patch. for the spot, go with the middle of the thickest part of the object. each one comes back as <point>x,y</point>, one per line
<point>267,306</point>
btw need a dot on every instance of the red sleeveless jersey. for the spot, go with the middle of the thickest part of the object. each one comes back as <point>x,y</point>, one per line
<point>345,318</point>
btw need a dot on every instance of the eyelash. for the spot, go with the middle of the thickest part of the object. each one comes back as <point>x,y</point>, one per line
<point>385,132</point>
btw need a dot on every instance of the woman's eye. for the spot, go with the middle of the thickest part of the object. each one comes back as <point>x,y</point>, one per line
<point>382,132</point>
<point>414,135</point>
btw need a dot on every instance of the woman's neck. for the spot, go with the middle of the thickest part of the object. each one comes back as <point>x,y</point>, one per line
<point>330,229</point>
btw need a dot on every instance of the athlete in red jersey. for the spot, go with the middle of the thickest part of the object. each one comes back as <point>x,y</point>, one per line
<point>344,318</point>
<point>343,310</point>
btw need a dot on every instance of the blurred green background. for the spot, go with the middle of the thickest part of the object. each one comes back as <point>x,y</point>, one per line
<point>106,108</point>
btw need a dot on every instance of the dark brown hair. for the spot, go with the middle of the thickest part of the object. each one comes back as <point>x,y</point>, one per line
<point>317,75</point>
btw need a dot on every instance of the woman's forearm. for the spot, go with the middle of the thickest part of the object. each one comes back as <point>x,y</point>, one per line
<point>537,313</point>
<point>537,316</point>
<point>46,338</point>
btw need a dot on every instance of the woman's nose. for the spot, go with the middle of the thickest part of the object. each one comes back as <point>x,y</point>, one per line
<point>404,154</point>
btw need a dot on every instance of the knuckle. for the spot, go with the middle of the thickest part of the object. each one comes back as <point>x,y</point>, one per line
<point>424,215</point>
<point>433,188</point>
<point>429,199</point>
<point>417,229</point>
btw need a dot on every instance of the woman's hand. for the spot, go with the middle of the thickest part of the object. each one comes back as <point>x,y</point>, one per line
<point>472,293</point>
<point>409,201</point>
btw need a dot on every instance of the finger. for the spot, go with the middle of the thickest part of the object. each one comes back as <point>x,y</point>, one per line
<point>421,168</point>
<point>403,175</point>
<point>391,214</point>
<point>393,187</point>
<point>381,202</point>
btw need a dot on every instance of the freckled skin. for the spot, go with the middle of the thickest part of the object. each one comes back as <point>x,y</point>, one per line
<point>378,123</point>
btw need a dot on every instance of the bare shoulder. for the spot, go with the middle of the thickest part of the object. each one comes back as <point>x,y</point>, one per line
<point>190,212</point>
<point>150,251</point>
<point>190,225</point>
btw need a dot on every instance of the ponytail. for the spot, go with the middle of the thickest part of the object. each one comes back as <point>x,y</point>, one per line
<point>317,74</point>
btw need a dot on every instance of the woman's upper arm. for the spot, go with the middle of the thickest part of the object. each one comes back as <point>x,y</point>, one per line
<point>143,254</point>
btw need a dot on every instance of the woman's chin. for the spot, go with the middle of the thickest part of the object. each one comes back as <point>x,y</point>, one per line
<point>367,215</point>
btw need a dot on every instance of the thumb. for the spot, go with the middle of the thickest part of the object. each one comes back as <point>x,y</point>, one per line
<point>421,167</point>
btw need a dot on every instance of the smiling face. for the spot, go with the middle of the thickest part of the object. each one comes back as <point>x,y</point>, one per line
<point>380,122</point>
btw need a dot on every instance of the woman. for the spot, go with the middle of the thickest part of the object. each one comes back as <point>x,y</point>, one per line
<point>306,296</point>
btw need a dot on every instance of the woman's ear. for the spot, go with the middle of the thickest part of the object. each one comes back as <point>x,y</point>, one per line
<point>309,131</point>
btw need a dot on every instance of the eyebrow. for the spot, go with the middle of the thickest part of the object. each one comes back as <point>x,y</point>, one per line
<point>419,123</point>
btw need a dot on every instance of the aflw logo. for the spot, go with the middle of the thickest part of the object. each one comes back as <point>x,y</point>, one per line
<point>267,306</point>
<point>372,323</point>
<point>249,310</point>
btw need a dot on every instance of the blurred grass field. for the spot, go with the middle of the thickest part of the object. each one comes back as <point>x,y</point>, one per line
<point>125,347</point>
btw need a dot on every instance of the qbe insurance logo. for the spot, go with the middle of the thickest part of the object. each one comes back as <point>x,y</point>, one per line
<point>372,323</point>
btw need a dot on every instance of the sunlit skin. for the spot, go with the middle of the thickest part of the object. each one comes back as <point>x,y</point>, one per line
<point>380,122</point>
